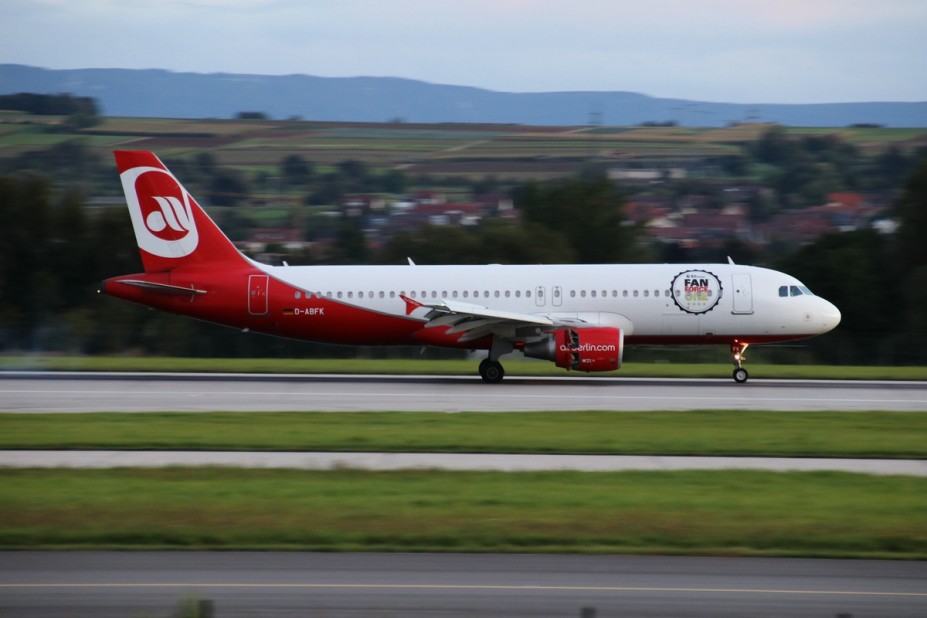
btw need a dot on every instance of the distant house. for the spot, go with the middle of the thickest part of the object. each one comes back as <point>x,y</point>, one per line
<point>842,212</point>
<point>259,239</point>
<point>362,205</point>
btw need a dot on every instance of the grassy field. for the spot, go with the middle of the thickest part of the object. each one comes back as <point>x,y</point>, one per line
<point>722,513</point>
<point>513,367</point>
<point>749,433</point>
<point>475,150</point>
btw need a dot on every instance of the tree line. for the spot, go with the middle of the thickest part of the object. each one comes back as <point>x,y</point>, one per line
<point>79,112</point>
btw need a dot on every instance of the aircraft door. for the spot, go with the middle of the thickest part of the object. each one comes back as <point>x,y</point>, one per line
<point>257,294</point>
<point>743,294</point>
<point>558,296</point>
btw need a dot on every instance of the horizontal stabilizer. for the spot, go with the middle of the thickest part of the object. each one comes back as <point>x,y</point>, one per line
<point>162,288</point>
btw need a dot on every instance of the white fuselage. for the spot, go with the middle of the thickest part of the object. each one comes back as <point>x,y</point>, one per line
<point>637,298</point>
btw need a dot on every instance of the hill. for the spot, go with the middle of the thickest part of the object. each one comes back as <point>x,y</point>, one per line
<point>166,94</point>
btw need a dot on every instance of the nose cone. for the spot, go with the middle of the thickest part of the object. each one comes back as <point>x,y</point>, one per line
<point>828,316</point>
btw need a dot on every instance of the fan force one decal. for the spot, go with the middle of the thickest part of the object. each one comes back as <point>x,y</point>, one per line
<point>696,291</point>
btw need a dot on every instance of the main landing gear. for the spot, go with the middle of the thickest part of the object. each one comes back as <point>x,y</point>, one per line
<point>737,351</point>
<point>491,371</point>
<point>490,368</point>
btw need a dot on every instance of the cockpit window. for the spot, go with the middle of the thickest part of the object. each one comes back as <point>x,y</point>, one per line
<point>794,290</point>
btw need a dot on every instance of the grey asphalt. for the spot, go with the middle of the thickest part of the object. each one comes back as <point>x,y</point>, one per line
<point>239,584</point>
<point>37,392</point>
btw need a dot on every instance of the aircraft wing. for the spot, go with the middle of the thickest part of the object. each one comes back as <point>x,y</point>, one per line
<point>476,321</point>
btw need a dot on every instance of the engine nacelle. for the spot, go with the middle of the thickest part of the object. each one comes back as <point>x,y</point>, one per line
<point>597,348</point>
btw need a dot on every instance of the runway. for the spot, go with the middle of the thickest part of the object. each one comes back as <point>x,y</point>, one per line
<point>111,584</point>
<point>129,392</point>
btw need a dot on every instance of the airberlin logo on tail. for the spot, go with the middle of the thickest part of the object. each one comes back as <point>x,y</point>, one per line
<point>172,221</point>
<point>162,214</point>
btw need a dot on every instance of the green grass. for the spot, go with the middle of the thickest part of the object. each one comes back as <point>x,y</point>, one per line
<point>724,513</point>
<point>733,433</point>
<point>514,367</point>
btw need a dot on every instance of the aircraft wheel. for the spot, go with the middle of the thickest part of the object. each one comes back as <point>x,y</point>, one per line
<point>491,371</point>
<point>741,375</point>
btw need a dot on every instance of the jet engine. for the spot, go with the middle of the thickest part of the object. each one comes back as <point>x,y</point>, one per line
<point>583,349</point>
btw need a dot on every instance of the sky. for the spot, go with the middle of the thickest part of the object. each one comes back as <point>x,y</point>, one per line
<point>737,51</point>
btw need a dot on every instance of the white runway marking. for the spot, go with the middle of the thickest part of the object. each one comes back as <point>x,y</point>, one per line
<point>448,461</point>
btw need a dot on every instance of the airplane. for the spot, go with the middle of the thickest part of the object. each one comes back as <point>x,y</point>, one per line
<point>580,317</point>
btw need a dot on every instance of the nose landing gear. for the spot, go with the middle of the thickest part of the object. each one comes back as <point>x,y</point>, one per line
<point>737,351</point>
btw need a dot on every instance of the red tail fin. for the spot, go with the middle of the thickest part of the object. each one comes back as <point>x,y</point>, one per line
<point>170,227</point>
